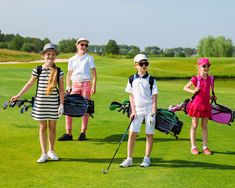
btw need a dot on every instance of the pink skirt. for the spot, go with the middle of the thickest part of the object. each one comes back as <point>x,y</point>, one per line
<point>195,110</point>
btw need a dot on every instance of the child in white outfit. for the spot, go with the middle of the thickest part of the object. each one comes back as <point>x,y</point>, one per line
<point>143,100</point>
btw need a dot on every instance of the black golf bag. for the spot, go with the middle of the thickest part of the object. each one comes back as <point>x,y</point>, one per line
<point>76,105</point>
<point>168,122</point>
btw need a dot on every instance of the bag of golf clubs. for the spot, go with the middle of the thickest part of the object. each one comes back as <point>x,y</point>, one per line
<point>25,104</point>
<point>221,114</point>
<point>76,105</point>
<point>166,121</point>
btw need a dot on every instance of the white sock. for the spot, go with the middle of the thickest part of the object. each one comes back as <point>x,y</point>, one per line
<point>193,147</point>
<point>147,158</point>
<point>204,147</point>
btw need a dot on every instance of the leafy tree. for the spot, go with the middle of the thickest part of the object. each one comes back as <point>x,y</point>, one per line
<point>215,47</point>
<point>16,43</point>
<point>67,46</point>
<point>111,48</point>
<point>28,47</point>
<point>134,50</point>
<point>152,50</point>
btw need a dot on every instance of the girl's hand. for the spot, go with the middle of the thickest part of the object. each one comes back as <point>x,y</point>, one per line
<point>93,91</point>
<point>213,97</point>
<point>196,90</point>
<point>61,109</point>
<point>15,98</point>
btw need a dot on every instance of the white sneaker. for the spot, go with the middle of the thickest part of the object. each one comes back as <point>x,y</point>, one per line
<point>126,163</point>
<point>146,162</point>
<point>43,158</point>
<point>52,155</point>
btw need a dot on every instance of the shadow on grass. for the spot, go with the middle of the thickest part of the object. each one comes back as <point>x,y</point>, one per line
<point>156,162</point>
<point>115,138</point>
<point>226,152</point>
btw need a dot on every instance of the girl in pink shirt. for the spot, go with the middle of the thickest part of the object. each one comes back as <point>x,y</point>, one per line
<point>199,107</point>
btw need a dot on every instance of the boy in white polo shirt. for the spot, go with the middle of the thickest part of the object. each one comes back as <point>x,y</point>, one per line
<point>143,99</point>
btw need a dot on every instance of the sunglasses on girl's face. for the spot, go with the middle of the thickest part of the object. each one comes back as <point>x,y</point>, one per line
<point>141,64</point>
<point>206,66</point>
<point>86,45</point>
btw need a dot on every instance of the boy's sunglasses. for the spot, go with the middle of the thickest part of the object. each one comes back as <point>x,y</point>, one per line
<point>86,45</point>
<point>206,66</point>
<point>141,64</point>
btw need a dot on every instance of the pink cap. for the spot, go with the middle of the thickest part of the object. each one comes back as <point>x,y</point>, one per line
<point>203,61</point>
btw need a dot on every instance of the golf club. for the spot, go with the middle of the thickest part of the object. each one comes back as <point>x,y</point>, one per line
<point>106,171</point>
<point>5,105</point>
<point>114,105</point>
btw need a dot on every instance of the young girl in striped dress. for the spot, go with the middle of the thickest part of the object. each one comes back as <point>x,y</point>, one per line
<point>46,107</point>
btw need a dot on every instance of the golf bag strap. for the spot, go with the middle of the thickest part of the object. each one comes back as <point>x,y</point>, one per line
<point>151,81</point>
<point>39,71</point>
<point>212,79</point>
<point>198,84</point>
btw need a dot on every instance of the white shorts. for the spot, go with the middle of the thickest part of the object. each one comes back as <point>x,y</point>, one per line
<point>137,122</point>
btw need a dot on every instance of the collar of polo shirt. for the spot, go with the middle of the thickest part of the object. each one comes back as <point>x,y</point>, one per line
<point>145,76</point>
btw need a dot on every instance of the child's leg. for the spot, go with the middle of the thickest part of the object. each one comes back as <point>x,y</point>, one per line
<point>193,131</point>
<point>85,92</point>
<point>149,144</point>
<point>52,134</point>
<point>43,135</point>
<point>204,132</point>
<point>134,130</point>
<point>131,144</point>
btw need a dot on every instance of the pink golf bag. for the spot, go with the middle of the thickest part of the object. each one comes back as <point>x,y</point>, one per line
<point>221,114</point>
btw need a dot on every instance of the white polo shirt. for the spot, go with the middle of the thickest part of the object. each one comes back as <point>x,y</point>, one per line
<point>140,89</point>
<point>81,65</point>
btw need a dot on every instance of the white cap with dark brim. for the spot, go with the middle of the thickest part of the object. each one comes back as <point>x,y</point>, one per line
<point>82,39</point>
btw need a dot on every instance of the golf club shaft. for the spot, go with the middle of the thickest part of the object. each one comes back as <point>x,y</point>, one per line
<point>120,144</point>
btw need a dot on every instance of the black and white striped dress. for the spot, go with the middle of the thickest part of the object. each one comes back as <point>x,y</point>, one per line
<point>45,106</point>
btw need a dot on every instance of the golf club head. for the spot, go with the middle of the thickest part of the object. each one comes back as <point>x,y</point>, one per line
<point>19,103</point>
<point>22,110</point>
<point>104,171</point>
<point>26,108</point>
<point>5,105</point>
<point>125,101</point>
<point>12,103</point>
<point>114,105</point>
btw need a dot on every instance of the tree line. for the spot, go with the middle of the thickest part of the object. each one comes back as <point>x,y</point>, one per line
<point>207,47</point>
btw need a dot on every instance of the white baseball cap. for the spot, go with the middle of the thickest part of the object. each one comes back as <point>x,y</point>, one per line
<point>140,57</point>
<point>82,39</point>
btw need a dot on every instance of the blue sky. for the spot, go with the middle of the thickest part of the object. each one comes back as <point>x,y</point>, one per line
<point>162,23</point>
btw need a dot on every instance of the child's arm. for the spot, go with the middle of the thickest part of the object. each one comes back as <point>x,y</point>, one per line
<point>68,81</point>
<point>94,79</point>
<point>132,102</point>
<point>26,87</point>
<point>154,105</point>
<point>188,86</point>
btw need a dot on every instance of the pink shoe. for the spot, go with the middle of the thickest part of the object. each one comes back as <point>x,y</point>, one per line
<point>207,151</point>
<point>194,151</point>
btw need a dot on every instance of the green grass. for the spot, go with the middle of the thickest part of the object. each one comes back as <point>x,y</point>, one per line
<point>81,162</point>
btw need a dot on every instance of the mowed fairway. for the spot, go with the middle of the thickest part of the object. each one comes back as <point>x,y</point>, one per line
<point>81,162</point>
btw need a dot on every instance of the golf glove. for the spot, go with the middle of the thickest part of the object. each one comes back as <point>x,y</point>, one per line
<point>61,109</point>
<point>152,119</point>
